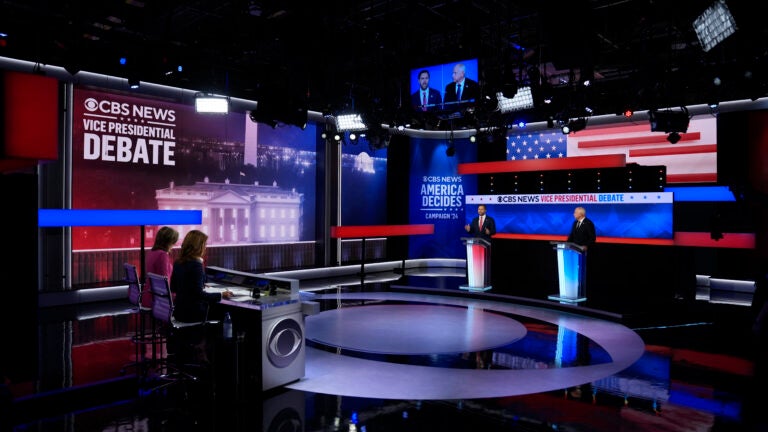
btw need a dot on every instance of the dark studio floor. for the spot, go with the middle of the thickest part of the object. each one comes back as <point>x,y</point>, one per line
<point>698,369</point>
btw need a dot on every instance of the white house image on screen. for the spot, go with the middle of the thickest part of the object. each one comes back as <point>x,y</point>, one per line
<point>239,213</point>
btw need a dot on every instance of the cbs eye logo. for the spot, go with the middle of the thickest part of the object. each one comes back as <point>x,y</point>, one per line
<point>499,199</point>
<point>91,104</point>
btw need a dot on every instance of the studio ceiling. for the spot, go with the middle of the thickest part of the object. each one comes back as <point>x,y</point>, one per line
<point>643,53</point>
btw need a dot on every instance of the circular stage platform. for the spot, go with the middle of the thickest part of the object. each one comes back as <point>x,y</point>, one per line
<point>413,329</point>
<point>359,327</point>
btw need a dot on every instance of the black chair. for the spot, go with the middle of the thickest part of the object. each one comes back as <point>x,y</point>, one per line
<point>179,364</point>
<point>142,336</point>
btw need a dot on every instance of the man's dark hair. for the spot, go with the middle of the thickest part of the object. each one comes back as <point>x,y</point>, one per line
<point>483,206</point>
<point>421,72</point>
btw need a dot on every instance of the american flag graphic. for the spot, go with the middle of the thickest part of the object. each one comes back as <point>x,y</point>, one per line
<point>691,160</point>
<point>542,145</point>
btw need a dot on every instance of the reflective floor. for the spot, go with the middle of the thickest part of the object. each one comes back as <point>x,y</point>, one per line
<point>698,369</point>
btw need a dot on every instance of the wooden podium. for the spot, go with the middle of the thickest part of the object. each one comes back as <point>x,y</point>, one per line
<point>572,272</point>
<point>478,264</point>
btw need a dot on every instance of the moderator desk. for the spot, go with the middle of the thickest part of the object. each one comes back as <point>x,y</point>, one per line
<point>267,350</point>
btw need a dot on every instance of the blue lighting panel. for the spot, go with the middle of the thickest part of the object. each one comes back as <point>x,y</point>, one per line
<point>701,193</point>
<point>77,217</point>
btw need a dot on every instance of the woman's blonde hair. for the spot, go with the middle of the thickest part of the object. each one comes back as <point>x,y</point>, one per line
<point>193,246</point>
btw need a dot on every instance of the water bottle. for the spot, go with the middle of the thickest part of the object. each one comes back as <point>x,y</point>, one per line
<point>227,326</point>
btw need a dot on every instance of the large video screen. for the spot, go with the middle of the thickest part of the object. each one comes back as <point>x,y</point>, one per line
<point>693,159</point>
<point>445,86</point>
<point>253,183</point>
<point>638,215</point>
<point>363,184</point>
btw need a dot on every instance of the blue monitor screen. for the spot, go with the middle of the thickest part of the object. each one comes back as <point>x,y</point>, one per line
<point>439,80</point>
<point>639,215</point>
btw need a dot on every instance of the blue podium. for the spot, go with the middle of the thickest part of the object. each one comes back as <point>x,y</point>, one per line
<point>572,272</point>
<point>478,264</point>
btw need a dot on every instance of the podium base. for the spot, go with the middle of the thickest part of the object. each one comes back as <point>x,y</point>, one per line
<point>567,299</point>
<point>474,289</point>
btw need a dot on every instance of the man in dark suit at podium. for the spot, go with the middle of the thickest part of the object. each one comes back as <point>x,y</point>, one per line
<point>482,226</point>
<point>462,90</point>
<point>582,230</point>
<point>426,98</point>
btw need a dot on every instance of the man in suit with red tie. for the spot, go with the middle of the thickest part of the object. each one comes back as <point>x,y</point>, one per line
<point>482,226</point>
<point>426,98</point>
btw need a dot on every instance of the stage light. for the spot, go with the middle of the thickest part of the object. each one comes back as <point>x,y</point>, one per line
<point>628,113</point>
<point>324,135</point>
<point>352,136</point>
<point>179,68</point>
<point>337,137</point>
<point>521,124</point>
<point>473,138</point>
<point>587,83</point>
<point>450,151</point>
<point>714,25</point>
<point>522,100</point>
<point>588,110</point>
<point>212,104</point>
<point>123,61</point>
<point>134,83</point>
<point>714,105</point>
<point>350,122</point>
<point>669,121</point>
<point>574,125</point>
<point>673,137</point>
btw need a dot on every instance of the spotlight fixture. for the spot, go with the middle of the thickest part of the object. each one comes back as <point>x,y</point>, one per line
<point>349,122</point>
<point>574,125</point>
<point>521,124</point>
<point>714,25</point>
<point>669,121</point>
<point>450,151</point>
<point>213,104</point>
<point>522,100</point>
<point>337,137</point>
<point>473,138</point>
<point>352,136</point>
<point>673,137</point>
<point>628,113</point>
<point>133,83</point>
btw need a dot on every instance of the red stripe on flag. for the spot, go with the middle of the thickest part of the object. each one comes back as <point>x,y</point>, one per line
<point>692,178</point>
<point>637,140</point>
<point>676,150</point>
<point>359,231</point>
<point>575,162</point>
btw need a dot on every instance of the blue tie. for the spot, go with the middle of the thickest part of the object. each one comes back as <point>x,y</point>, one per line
<point>458,91</point>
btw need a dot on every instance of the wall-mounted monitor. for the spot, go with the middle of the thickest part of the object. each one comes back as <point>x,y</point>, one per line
<point>444,87</point>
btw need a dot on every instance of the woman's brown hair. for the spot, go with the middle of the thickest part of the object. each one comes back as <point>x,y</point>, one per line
<point>193,246</point>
